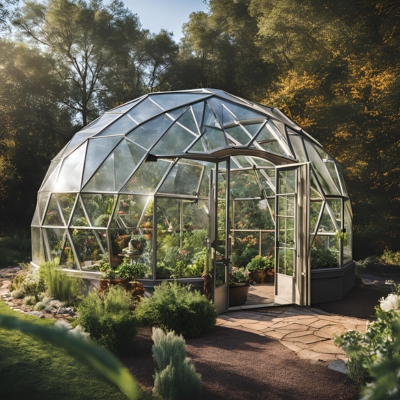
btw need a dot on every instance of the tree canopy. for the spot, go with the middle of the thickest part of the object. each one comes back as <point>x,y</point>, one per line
<point>331,66</point>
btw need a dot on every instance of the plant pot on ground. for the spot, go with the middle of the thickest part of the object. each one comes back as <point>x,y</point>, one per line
<point>238,295</point>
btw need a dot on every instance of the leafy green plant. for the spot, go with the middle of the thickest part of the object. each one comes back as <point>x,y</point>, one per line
<point>108,318</point>
<point>34,284</point>
<point>323,258</point>
<point>374,357</point>
<point>137,270</point>
<point>176,307</point>
<point>175,377</point>
<point>59,285</point>
<point>390,257</point>
<point>259,262</point>
<point>239,275</point>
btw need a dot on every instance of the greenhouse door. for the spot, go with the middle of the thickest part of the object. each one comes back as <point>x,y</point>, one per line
<point>219,199</point>
<point>291,234</point>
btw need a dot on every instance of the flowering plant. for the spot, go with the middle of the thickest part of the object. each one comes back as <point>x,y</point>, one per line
<point>374,355</point>
<point>239,275</point>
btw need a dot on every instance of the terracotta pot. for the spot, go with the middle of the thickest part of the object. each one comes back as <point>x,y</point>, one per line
<point>261,274</point>
<point>238,295</point>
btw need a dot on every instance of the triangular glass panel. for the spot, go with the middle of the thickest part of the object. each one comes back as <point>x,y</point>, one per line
<point>126,156</point>
<point>60,153</point>
<point>239,135</point>
<point>182,179</point>
<point>252,128</point>
<point>99,208</point>
<point>175,141</point>
<point>129,211</point>
<point>335,209</point>
<point>315,190</point>
<point>43,197</point>
<point>79,217</point>
<point>53,216</point>
<point>70,176</point>
<point>323,154</point>
<point>298,147</point>
<point>198,147</point>
<point>187,120</point>
<point>241,112</point>
<point>269,142</point>
<point>330,165</point>
<point>175,114</point>
<point>35,219</point>
<point>97,152</point>
<point>198,111</point>
<point>267,181</point>
<point>126,107</point>
<point>209,117</point>
<point>205,182</point>
<point>327,224</point>
<point>104,179</point>
<point>100,123</point>
<point>149,133</point>
<point>119,127</point>
<point>214,139</point>
<point>224,115</point>
<point>315,210</point>
<point>67,255</point>
<point>172,100</point>
<point>146,179</point>
<point>51,177</point>
<point>320,170</point>
<point>144,111</point>
<point>342,181</point>
<point>67,201</point>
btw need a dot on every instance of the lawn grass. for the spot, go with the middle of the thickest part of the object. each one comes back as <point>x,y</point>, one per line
<point>32,369</point>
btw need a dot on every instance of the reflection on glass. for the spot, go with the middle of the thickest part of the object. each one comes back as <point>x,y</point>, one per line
<point>348,235</point>
<point>182,229</point>
<point>53,216</point>
<point>37,246</point>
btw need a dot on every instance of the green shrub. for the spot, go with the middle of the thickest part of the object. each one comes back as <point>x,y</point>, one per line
<point>108,318</point>
<point>59,284</point>
<point>17,294</point>
<point>34,284</point>
<point>390,257</point>
<point>39,306</point>
<point>175,377</point>
<point>29,301</point>
<point>176,307</point>
<point>374,356</point>
<point>137,270</point>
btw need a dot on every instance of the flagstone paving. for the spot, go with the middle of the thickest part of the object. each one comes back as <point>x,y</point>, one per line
<point>307,331</point>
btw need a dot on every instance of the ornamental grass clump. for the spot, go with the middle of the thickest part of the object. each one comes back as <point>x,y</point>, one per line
<point>176,307</point>
<point>175,376</point>
<point>59,285</point>
<point>374,356</point>
<point>108,318</point>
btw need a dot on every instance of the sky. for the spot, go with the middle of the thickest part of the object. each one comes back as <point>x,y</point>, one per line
<point>165,14</point>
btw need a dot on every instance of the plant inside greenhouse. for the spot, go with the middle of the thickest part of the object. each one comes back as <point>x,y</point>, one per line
<point>188,185</point>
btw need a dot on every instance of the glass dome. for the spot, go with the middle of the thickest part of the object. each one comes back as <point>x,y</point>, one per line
<point>186,172</point>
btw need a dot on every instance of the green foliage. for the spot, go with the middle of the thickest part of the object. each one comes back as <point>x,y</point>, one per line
<point>59,285</point>
<point>100,359</point>
<point>323,258</point>
<point>137,270</point>
<point>259,262</point>
<point>375,356</point>
<point>108,318</point>
<point>175,377</point>
<point>178,308</point>
<point>242,258</point>
<point>239,275</point>
<point>34,284</point>
<point>390,257</point>
<point>17,294</point>
<point>14,249</point>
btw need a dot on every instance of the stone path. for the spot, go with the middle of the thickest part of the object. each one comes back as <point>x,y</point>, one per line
<point>305,330</point>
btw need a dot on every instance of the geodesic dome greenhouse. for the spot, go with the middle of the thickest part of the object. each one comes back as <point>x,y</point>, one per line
<point>194,183</point>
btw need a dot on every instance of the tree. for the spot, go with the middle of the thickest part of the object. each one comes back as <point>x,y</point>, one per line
<point>33,128</point>
<point>5,12</point>
<point>85,41</point>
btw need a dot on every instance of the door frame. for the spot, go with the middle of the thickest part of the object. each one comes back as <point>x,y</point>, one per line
<point>301,280</point>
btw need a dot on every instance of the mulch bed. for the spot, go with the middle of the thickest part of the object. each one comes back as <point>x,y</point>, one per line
<point>241,365</point>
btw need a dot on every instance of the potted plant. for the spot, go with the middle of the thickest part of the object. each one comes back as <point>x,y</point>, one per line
<point>238,286</point>
<point>110,275</point>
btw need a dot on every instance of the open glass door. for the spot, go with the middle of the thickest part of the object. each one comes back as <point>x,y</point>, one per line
<point>219,199</point>
<point>291,233</point>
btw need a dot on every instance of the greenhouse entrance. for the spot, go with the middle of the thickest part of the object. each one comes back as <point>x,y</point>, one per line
<point>278,231</point>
